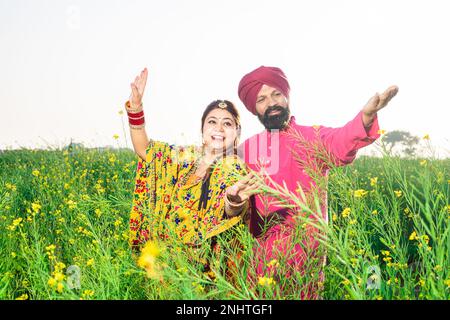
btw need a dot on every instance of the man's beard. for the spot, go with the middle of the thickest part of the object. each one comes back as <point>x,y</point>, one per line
<point>278,121</point>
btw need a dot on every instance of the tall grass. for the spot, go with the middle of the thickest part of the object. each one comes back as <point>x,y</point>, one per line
<point>387,236</point>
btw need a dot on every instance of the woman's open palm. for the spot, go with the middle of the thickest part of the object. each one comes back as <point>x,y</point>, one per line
<point>137,89</point>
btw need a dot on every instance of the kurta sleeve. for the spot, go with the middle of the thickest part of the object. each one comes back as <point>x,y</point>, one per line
<point>343,143</point>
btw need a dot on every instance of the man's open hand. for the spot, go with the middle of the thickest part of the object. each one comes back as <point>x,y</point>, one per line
<point>376,103</point>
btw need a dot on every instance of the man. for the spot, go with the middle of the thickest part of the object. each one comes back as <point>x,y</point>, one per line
<point>292,156</point>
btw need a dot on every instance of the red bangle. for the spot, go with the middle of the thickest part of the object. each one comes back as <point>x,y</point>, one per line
<point>135,115</point>
<point>136,121</point>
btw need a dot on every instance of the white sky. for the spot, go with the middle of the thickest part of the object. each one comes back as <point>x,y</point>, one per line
<point>65,66</point>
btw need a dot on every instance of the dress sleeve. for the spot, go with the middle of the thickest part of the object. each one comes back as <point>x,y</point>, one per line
<point>343,143</point>
<point>154,176</point>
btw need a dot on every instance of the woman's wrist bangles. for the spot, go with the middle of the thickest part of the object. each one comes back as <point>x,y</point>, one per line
<point>136,118</point>
<point>233,208</point>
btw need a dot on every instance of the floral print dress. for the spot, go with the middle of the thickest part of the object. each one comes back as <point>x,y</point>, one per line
<point>167,194</point>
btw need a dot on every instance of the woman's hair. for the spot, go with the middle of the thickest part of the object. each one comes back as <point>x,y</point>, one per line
<point>230,107</point>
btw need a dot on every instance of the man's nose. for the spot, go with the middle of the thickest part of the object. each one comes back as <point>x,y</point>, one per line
<point>272,101</point>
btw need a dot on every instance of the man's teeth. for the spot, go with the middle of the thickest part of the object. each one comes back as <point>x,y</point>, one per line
<point>218,137</point>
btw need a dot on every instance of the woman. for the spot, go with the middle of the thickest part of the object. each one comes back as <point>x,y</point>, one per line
<point>187,194</point>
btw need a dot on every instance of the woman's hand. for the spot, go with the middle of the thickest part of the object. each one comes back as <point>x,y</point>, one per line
<point>137,89</point>
<point>243,189</point>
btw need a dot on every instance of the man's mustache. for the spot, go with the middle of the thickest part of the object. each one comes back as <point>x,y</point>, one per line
<point>271,109</point>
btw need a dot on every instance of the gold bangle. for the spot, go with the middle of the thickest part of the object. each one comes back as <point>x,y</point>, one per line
<point>128,107</point>
<point>137,127</point>
<point>233,205</point>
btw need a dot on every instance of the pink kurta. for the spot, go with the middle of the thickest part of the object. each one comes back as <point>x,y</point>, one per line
<point>285,156</point>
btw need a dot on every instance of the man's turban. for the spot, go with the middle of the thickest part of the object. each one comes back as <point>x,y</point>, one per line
<point>251,84</point>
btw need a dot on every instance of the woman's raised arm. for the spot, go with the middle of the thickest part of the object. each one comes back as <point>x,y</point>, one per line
<point>135,112</point>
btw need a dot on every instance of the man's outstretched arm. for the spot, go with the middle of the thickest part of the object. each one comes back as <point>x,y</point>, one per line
<point>343,143</point>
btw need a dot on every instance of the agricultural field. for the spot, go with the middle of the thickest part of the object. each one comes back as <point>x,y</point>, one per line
<point>64,234</point>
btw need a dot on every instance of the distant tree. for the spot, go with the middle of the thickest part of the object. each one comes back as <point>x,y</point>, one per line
<point>403,138</point>
<point>73,146</point>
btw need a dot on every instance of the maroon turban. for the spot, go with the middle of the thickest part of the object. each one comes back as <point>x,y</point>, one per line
<point>252,82</point>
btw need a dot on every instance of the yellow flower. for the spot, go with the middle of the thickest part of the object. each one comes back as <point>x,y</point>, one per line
<point>353,221</point>
<point>426,137</point>
<point>346,212</point>
<point>199,288</point>
<point>447,283</point>
<point>148,259</point>
<point>152,248</point>
<point>11,187</point>
<point>421,282</point>
<point>51,282</point>
<point>36,173</point>
<point>360,193</point>
<point>87,293</point>
<point>346,282</point>
<point>116,136</point>
<point>375,212</point>
<point>112,159</point>
<point>36,207</point>
<point>273,263</point>
<point>60,287</point>
<point>17,222</point>
<point>182,270</point>
<point>90,262</point>
<point>438,268</point>
<point>381,131</point>
<point>265,281</point>
<point>50,248</point>
<point>58,276</point>
<point>72,204</point>
<point>398,193</point>
<point>121,112</point>
<point>413,236</point>
<point>423,162</point>
<point>23,297</point>
<point>373,181</point>
<point>385,253</point>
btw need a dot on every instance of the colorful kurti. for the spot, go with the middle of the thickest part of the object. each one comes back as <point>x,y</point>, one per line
<point>167,194</point>
<point>291,157</point>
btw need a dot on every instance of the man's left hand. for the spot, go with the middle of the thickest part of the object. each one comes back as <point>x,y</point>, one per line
<point>376,103</point>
